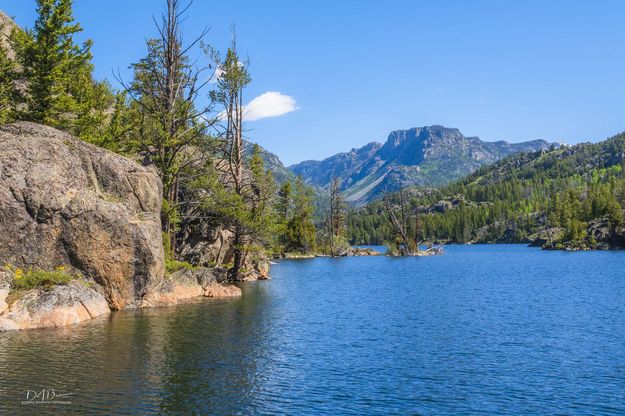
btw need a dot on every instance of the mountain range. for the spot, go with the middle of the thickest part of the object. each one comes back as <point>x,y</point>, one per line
<point>420,156</point>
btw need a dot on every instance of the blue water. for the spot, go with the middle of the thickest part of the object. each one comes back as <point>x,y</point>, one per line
<point>480,330</point>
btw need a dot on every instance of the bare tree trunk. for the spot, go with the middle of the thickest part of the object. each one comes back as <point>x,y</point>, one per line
<point>235,130</point>
<point>399,227</point>
<point>336,216</point>
<point>331,225</point>
<point>171,40</point>
<point>410,243</point>
<point>235,272</point>
<point>416,229</point>
<point>166,98</point>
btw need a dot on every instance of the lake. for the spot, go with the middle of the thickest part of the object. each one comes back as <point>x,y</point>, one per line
<point>500,329</point>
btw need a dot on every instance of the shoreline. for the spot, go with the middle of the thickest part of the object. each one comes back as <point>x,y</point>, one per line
<point>68,304</point>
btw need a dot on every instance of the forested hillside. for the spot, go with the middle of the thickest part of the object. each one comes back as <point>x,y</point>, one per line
<point>571,197</point>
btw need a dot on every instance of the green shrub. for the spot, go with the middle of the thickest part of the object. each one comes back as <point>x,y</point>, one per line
<point>172,266</point>
<point>166,246</point>
<point>24,279</point>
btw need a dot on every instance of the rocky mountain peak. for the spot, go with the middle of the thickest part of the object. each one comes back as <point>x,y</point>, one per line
<point>423,156</point>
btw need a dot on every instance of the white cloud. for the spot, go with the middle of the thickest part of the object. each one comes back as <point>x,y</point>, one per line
<point>219,72</point>
<point>269,104</point>
<point>216,75</point>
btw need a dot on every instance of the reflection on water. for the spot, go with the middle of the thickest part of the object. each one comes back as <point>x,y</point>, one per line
<point>200,355</point>
<point>482,329</point>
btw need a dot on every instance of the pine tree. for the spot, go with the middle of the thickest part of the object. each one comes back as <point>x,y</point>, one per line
<point>283,212</point>
<point>121,127</point>
<point>283,206</point>
<point>231,83</point>
<point>265,221</point>
<point>59,88</point>
<point>301,233</point>
<point>7,90</point>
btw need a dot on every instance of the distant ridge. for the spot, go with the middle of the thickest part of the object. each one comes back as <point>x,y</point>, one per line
<point>421,156</point>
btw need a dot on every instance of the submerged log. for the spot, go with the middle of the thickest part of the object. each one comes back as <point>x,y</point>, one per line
<point>430,251</point>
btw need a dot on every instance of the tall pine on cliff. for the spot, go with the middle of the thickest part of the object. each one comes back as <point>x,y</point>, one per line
<point>231,83</point>
<point>57,74</point>
<point>46,77</point>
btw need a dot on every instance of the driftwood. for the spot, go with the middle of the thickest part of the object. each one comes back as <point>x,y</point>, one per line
<point>434,250</point>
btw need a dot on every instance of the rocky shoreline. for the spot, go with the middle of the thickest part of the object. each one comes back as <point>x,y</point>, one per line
<point>598,235</point>
<point>351,252</point>
<point>360,252</point>
<point>75,302</point>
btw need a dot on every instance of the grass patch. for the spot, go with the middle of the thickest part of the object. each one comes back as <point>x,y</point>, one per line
<point>32,278</point>
<point>172,266</point>
<point>27,279</point>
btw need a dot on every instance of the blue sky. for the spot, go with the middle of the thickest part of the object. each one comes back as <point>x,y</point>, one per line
<point>356,70</point>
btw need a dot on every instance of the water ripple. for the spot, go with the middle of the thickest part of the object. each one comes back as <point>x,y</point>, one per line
<point>456,334</point>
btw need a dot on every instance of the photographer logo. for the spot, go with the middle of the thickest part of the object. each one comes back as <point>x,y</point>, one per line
<point>46,396</point>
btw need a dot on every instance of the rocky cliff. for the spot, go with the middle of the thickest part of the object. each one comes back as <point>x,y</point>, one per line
<point>65,202</point>
<point>7,25</point>
<point>68,205</point>
<point>207,243</point>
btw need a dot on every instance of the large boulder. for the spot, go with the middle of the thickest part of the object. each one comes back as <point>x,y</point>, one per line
<point>605,234</point>
<point>359,251</point>
<point>545,237</point>
<point>66,202</point>
<point>54,307</point>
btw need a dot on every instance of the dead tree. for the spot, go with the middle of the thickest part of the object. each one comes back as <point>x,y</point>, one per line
<point>400,219</point>
<point>171,128</point>
<point>336,215</point>
<point>232,80</point>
